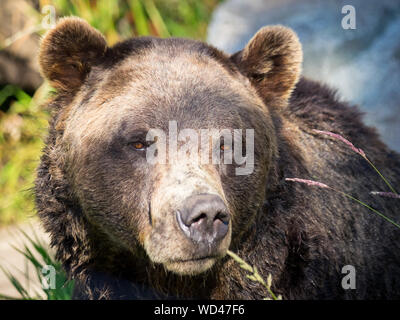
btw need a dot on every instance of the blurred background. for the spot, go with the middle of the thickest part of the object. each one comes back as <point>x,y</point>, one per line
<point>362,63</point>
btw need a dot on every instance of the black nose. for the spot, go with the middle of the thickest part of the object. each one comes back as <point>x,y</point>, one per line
<point>204,218</point>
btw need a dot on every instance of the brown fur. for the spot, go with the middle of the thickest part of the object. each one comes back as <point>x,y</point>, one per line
<point>272,59</point>
<point>69,51</point>
<point>110,215</point>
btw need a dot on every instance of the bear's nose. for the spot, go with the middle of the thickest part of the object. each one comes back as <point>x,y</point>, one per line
<point>204,218</point>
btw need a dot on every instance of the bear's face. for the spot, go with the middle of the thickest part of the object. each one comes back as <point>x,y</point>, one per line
<point>150,127</point>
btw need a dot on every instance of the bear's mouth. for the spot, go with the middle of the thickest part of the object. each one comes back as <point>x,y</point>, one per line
<point>193,259</point>
<point>191,266</point>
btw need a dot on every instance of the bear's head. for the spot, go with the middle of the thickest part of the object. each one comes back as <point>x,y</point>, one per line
<point>162,146</point>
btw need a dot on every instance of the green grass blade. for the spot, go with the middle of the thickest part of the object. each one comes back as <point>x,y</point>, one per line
<point>369,207</point>
<point>38,257</point>
<point>381,175</point>
<point>140,18</point>
<point>156,18</point>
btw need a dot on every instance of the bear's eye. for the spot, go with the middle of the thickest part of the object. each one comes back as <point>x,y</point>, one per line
<point>224,147</point>
<point>138,145</point>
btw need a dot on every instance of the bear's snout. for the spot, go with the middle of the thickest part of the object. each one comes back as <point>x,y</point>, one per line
<point>204,218</point>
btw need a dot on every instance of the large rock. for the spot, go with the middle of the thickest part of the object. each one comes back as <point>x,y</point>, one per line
<point>364,64</point>
<point>19,44</point>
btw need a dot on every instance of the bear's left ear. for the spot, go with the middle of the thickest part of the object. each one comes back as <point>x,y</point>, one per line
<point>68,52</point>
<point>272,61</point>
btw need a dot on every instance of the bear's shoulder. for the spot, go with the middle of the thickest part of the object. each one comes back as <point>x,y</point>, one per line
<point>315,102</point>
<point>314,105</point>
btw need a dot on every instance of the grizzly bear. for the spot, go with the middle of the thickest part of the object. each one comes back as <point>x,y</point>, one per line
<point>125,227</point>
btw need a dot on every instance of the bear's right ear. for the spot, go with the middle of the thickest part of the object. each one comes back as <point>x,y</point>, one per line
<point>68,52</point>
<point>272,61</point>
